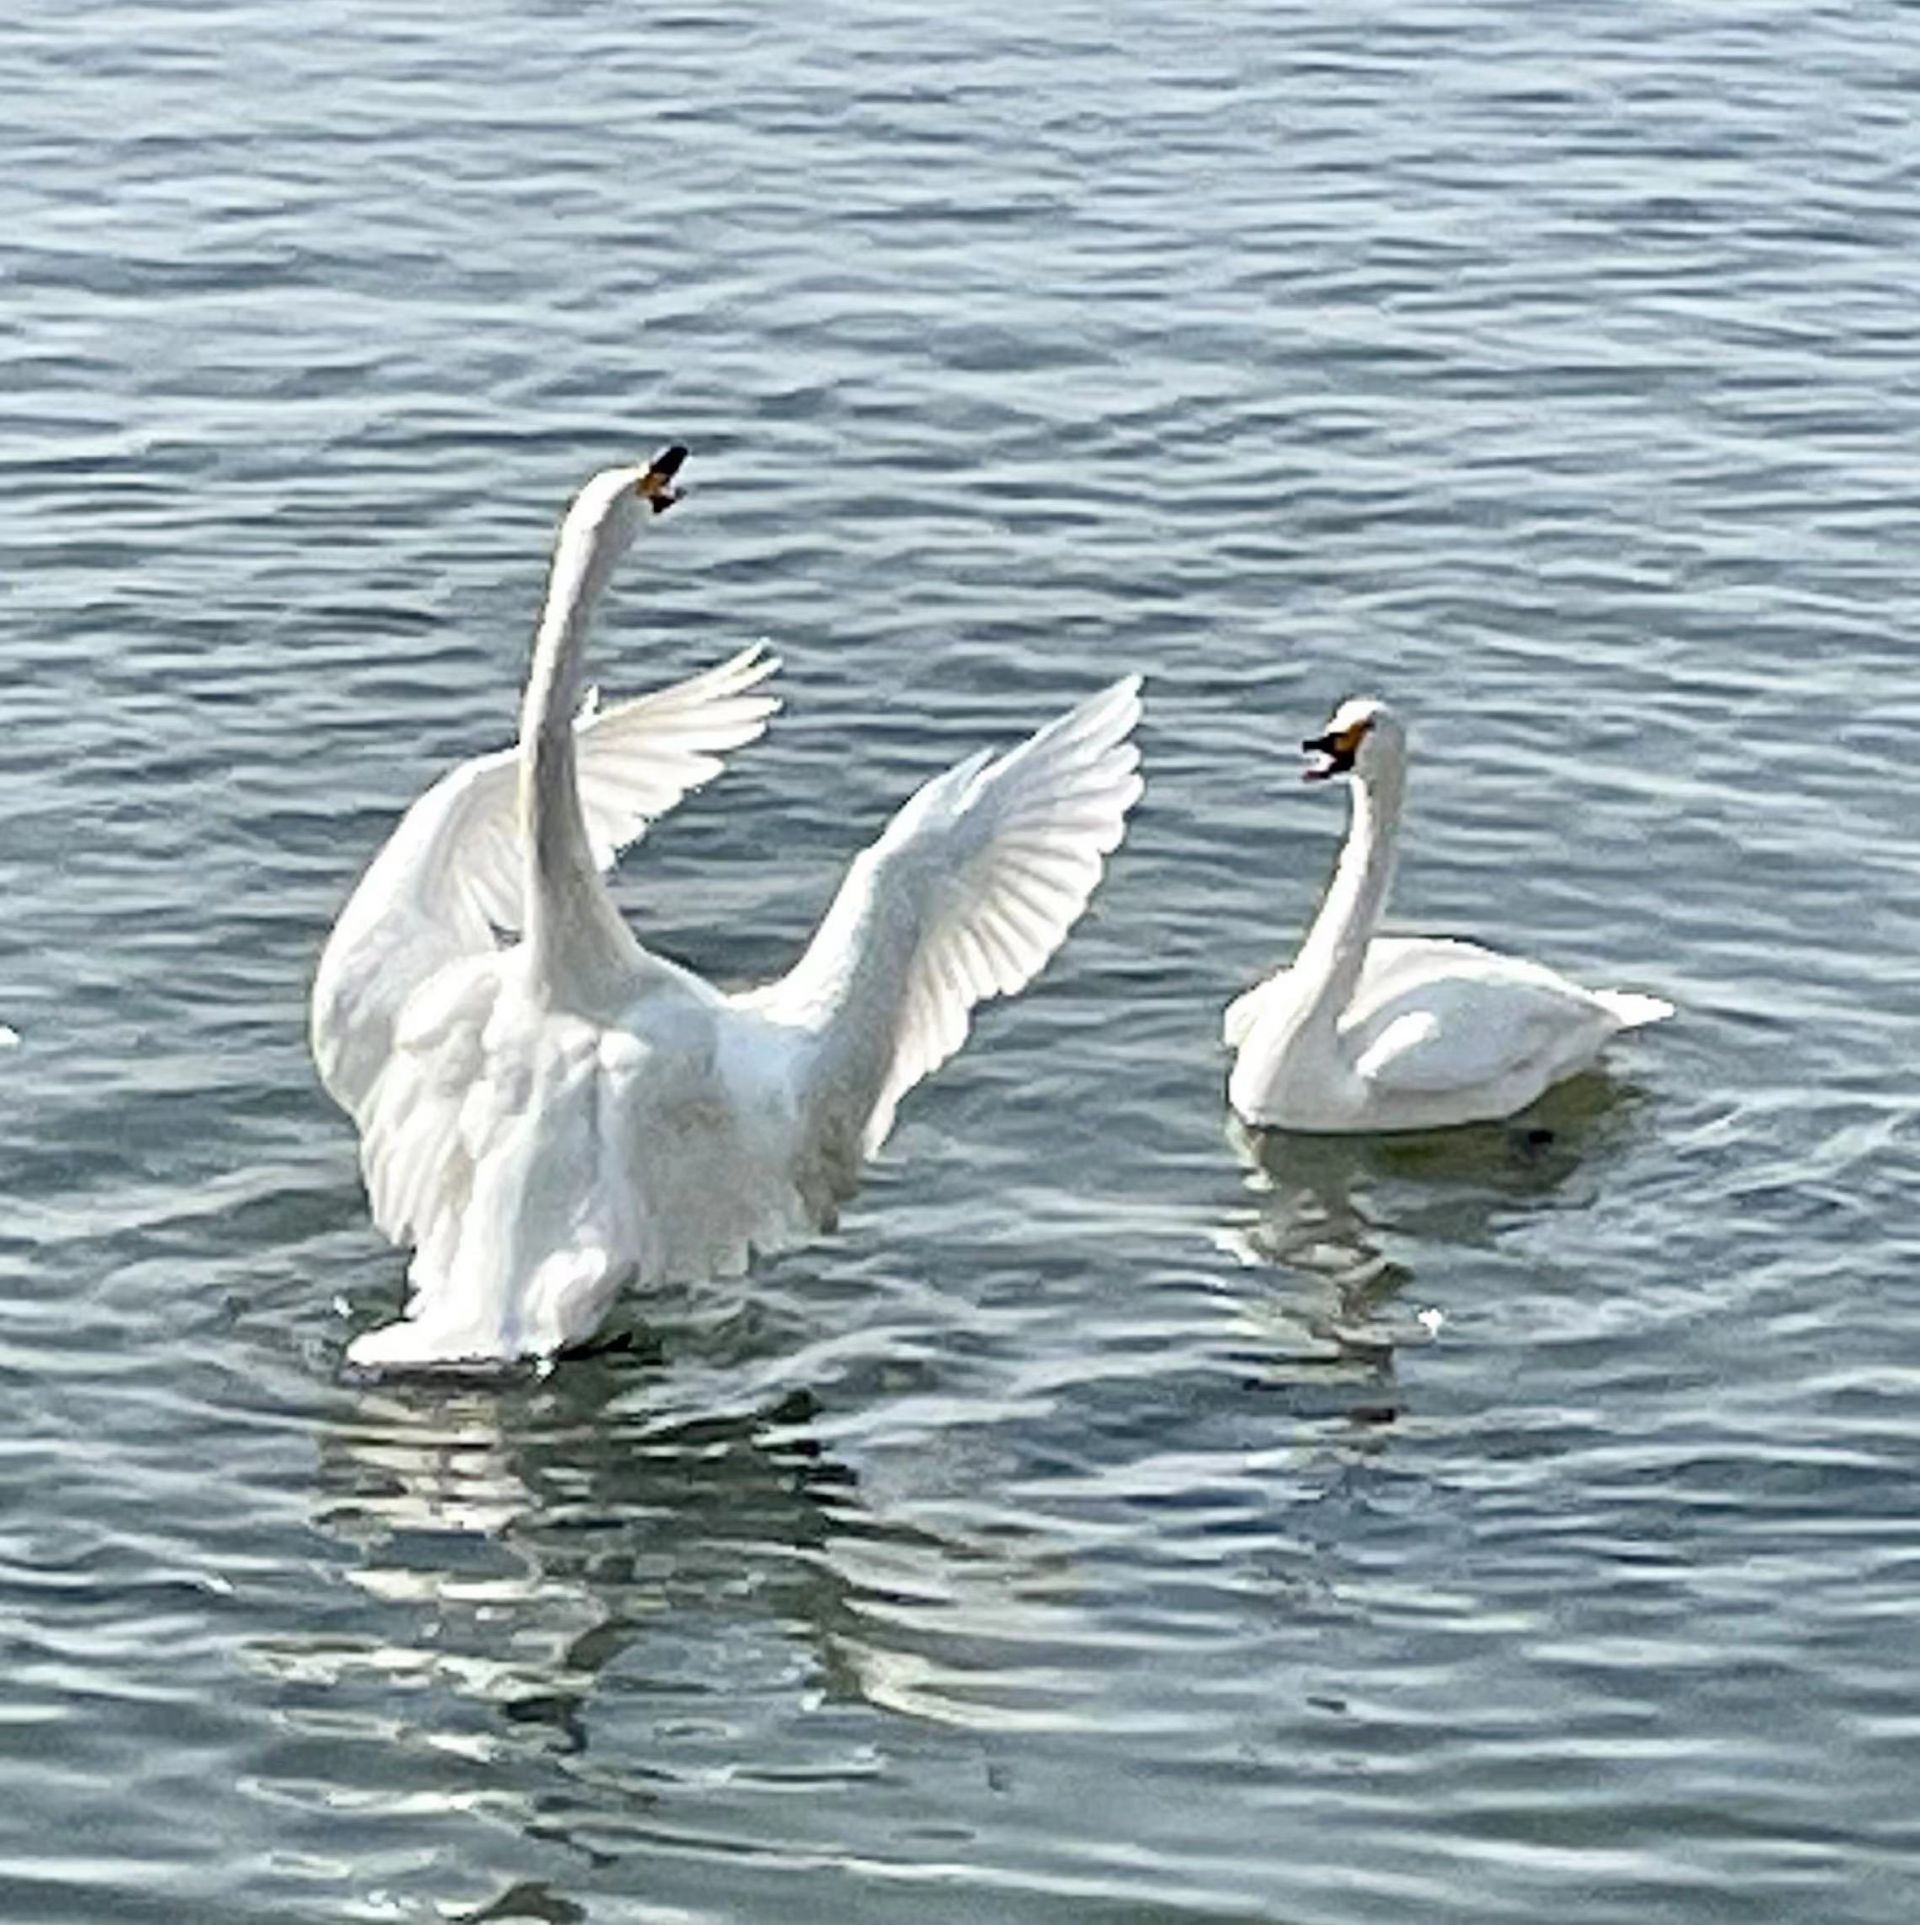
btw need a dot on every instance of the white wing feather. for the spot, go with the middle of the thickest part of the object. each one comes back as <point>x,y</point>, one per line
<point>965,896</point>
<point>1239,1015</point>
<point>1473,1020</point>
<point>636,760</point>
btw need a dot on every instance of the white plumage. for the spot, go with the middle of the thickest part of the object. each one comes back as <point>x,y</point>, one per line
<point>1366,1032</point>
<point>451,874</point>
<point>551,1121</point>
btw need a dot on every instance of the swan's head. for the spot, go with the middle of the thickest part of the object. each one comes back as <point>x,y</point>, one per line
<point>602,520</point>
<point>614,505</point>
<point>1361,734</point>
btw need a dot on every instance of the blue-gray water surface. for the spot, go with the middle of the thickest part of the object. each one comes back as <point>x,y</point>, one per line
<point>1115,1520</point>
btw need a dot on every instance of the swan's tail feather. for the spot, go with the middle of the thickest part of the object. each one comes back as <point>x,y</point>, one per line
<point>1632,1010</point>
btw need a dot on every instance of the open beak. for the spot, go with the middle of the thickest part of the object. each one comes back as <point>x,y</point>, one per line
<point>1335,750</point>
<point>656,485</point>
<point>1333,756</point>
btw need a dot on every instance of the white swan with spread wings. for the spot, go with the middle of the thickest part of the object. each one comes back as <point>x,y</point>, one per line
<point>1367,1032</point>
<point>549,1121</point>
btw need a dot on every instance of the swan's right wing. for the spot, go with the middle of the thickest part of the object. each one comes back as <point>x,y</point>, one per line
<point>450,874</point>
<point>966,895</point>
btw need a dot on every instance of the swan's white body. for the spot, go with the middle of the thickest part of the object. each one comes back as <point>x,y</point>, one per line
<point>549,1122</point>
<point>1365,1032</point>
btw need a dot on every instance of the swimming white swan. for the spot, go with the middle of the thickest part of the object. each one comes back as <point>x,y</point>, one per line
<point>548,1122</point>
<point>1366,1032</point>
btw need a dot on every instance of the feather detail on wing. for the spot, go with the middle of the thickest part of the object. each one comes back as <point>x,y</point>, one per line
<point>966,895</point>
<point>449,877</point>
<point>635,761</point>
<point>1476,1026</point>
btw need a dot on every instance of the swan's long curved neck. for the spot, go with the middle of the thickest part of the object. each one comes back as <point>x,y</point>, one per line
<point>1335,948</point>
<point>580,948</point>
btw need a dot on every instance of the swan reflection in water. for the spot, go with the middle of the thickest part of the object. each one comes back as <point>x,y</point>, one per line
<point>567,1609</point>
<point>534,1535</point>
<point>616,1608</point>
<point>1340,1221</point>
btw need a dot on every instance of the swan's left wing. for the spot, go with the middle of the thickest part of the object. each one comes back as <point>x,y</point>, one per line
<point>450,874</point>
<point>966,895</point>
<point>635,759</point>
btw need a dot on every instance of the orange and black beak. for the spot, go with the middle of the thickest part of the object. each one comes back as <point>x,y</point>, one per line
<point>656,485</point>
<point>1336,750</point>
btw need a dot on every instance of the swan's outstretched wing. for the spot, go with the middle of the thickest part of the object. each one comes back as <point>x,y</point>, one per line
<point>450,875</point>
<point>967,893</point>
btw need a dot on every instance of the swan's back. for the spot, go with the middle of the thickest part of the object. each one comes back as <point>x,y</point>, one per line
<point>540,1161</point>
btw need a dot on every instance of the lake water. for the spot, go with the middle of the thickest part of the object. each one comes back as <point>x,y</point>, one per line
<point>1095,1528</point>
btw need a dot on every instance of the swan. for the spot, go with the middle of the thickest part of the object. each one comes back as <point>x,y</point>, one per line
<point>1366,1032</point>
<point>549,1121</point>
